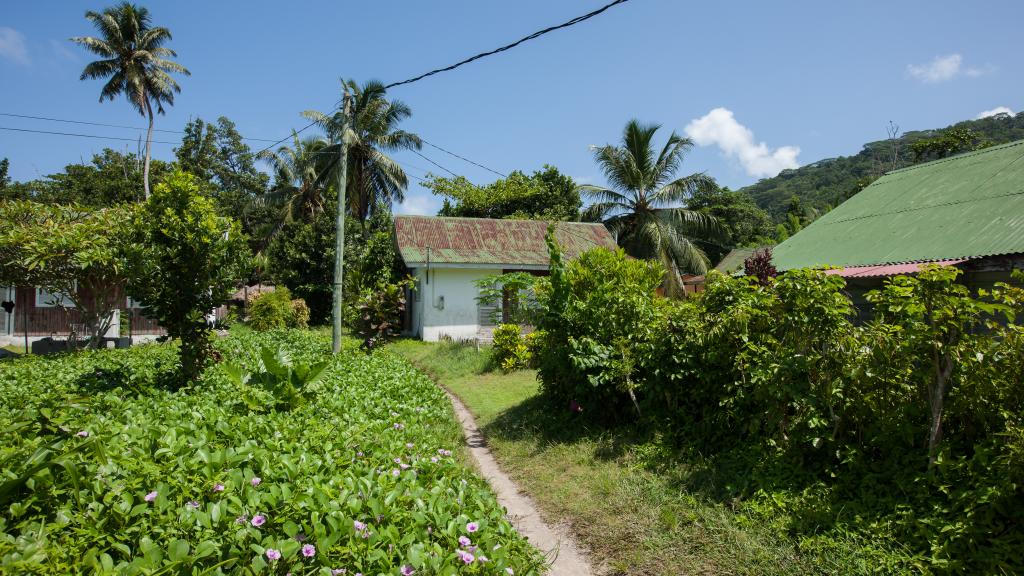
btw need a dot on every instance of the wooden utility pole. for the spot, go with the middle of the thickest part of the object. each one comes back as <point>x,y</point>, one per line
<point>339,240</point>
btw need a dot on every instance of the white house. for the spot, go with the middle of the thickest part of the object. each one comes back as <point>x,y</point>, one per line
<point>448,255</point>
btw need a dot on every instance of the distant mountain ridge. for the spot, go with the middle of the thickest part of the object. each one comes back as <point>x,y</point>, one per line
<point>827,182</point>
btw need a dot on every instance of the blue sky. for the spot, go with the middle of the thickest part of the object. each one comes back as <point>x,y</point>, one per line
<point>760,86</point>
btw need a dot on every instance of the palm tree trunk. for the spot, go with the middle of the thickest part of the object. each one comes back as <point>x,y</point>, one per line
<point>149,144</point>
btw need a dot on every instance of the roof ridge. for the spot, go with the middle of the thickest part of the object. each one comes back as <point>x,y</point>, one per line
<point>557,222</point>
<point>954,157</point>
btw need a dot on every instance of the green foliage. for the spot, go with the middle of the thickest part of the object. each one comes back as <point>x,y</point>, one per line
<point>278,376</point>
<point>830,181</point>
<point>275,309</point>
<point>378,312</point>
<point>67,250</point>
<point>949,142</point>
<point>510,351</point>
<point>642,206</point>
<point>905,429</point>
<point>544,195</point>
<point>87,436</point>
<point>743,223</point>
<point>512,294</point>
<point>184,261</point>
<point>110,179</point>
<point>601,324</point>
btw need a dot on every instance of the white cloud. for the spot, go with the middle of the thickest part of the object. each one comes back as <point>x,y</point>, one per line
<point>945,68</point>
<point>418,205</point>
<point>12,46</point>
<point>994,112</point>
<point>719,127</point>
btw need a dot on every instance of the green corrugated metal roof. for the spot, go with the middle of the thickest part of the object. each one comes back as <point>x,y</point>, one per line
<point>966,206</point>
<point>487,241</point>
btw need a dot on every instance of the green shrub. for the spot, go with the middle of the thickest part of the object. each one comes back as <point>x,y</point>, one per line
<point>378,313</point>
<point>601,322</point>
<point>101,471</point>
<point>271,310</point>
<point>183,261</point>
<point>907,429</point>
<point>300,314</point>
<point>510,351</point>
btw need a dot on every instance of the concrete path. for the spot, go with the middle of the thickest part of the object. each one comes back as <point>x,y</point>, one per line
<point>565,556</point>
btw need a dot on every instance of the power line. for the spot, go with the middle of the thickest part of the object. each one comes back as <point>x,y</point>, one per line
<point>82,135</point>
<point>434,163</point>
<point>537,34</point>
<point>464,159</point>
<point>107,125</point>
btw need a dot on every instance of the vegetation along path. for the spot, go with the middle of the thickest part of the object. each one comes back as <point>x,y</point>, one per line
<point>567,558</point>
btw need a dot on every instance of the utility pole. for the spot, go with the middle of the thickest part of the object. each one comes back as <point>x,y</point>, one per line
<point>339,240</point>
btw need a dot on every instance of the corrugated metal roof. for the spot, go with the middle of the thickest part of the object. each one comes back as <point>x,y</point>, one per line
<point>486,241</point>
<point>886,269</point>
<point>966,206</point>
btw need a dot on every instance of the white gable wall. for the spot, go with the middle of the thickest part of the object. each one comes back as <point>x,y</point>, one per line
<point>446,306</point>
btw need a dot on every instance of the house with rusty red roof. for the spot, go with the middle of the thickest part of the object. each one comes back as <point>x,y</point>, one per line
<point>447,256</point>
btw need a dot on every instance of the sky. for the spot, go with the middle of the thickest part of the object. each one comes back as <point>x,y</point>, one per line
<point>758,86</point>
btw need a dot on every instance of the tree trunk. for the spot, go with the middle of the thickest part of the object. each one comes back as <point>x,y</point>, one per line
<point>149,144</point>
<point>943,365</point>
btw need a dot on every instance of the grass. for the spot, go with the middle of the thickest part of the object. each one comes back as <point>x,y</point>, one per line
<point>633,518</point>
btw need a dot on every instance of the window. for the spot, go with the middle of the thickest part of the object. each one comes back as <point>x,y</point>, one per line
<point>133,303</point>
<point>46,299</point>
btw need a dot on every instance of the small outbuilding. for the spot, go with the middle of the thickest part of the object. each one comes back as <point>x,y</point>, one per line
<point>447,256</point>
<point>965,211</point>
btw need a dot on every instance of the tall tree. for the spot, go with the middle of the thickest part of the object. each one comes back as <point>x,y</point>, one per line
<point>375,180</point>
<point>642,206</point>
<point>298,191</point>
<point>134,62</point>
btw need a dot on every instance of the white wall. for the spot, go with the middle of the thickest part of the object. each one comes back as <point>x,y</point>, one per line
<point>459,317</point>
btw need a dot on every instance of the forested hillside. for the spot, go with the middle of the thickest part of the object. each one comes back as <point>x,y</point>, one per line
<point>826,183</point>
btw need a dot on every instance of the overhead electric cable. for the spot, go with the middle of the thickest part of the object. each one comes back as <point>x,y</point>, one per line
<point>464,159</point>
<point>537,34</point>
<point>108,125</point>
<point>434,163</point>
<point>82,135</point>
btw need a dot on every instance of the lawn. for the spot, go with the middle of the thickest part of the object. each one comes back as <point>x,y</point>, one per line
<point>635,516</point>
<point>108,465</point>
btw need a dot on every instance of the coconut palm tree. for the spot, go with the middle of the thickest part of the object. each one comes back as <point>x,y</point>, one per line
<point>299,188</point>
<point>135,63</point>
<point>375,181</point>
<point>642,206</point>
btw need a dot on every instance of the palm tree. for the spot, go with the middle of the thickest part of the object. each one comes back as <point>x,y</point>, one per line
<point>642,206</point>
<point>136,62</point>
<point>375,181</point>
<point>299,187</point>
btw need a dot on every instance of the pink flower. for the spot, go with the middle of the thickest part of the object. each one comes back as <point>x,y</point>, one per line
<point>83,434</point>
<point>396,472</point>
<point>509,571</point>
<point>359,526</point>
<point>403,466</point>
<point>193,504</point>
<point>464,541</point>
<point>466,557</point>
<point>256,480</point>
<point>273,554</point>
<point>399,426</point>
<point>258,520</point>
<point>338,571</point>
<point>409,445</point>
<point>472,527</point>
<point>308,550</point>
<point>407,570</point>
<point>218,487</point>
<point>151,496</point>
<point>434,459</point>
<point>481,558</point>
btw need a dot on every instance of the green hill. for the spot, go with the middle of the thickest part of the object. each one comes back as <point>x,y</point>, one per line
<point>828,182</point>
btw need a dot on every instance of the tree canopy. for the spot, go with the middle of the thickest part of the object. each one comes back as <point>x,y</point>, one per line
<point>543,195</point>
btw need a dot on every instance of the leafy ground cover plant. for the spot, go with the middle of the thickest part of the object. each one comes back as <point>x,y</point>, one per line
<point>118,475</point>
